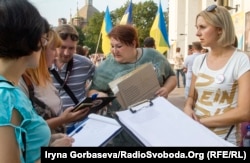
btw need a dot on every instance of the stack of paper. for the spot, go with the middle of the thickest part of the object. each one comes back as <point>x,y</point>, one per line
<point>96,131</point>
<point>162,124</point>
<point>140,84</point>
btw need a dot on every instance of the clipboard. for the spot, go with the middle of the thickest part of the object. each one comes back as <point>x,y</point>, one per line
<point>135,108</point>
<point>159,123</point>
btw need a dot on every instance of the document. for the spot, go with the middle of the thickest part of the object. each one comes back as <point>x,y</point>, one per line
<point>95,131</point>
<point>160,123</point>
<point>142,83</point>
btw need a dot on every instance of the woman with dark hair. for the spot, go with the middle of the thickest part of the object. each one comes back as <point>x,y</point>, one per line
<point>23,34</point>
<point>125,57</point>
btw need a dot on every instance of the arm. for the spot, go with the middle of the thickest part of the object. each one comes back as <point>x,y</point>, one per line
<point>190,102</point>
<point>9,148</point>
<point>100,94</point>
<point>240,113</point>
<point>59,140</point>
<point>66,117</point>
<point>168,86</point>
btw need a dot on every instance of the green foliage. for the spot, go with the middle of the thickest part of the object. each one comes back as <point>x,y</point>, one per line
<point>92,32</point>
<point>81,36</point>
<point>143,17</point>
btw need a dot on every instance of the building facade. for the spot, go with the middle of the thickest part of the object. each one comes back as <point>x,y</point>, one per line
<point>82,16</point>
<point>182,15</point>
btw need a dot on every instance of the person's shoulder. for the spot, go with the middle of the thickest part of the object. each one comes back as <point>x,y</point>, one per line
<point>199,58</point>
<point>152,52</point>
<point>81,59</point>
<point>240,52</point>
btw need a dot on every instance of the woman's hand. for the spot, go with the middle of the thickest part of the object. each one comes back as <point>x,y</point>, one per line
<point>162,92</point>
<point>72,116</point>
<point>61,140</point>
<point>190,112</point>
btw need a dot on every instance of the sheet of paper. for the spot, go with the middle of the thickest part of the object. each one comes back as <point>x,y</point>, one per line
<point>139,84</point>
<point>165,125</point>
<point>96,130</point>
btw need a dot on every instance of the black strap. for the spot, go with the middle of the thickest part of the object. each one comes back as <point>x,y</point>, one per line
<point>6,82</point>
<point>230,130</point>
<point>30,86</point>
<point>24,144</point>
<point>63,83</point>
<point>195,96</point>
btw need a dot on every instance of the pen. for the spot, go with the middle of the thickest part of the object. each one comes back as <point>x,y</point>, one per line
<point>76,131</point>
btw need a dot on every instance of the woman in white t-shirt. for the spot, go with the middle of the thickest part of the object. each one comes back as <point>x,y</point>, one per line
<point>221,77</point>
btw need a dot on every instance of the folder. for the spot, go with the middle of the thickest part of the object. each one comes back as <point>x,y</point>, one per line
<point>95,104</point>
<point>139,84</point>
<point>157,122</point>
<point>95,131</point>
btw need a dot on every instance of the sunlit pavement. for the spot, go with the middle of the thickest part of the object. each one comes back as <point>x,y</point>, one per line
<point>177,98</point>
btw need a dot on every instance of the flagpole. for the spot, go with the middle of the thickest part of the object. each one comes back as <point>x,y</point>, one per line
<point>98,42</point>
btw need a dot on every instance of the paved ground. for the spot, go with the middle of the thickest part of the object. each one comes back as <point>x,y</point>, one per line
<point>177,98</point>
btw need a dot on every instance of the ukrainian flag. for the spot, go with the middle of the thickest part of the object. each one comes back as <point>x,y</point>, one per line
<point>159,31</point>
<point>106,28</point>
<point>127,17</point>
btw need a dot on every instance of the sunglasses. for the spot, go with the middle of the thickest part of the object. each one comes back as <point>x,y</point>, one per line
<point>211,8</point>
<point>73,37</point>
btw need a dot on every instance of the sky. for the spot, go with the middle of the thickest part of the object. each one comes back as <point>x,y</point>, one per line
<point>54,9</point>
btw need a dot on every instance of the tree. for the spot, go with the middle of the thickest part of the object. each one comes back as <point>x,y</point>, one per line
<point>143,17</point>
<point>81,36</point>
<point>92,31</point>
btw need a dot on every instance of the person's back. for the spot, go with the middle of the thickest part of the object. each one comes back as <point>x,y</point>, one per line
<point>188,63</point>
<point>80,50</point>
<point>149,42</point>
<point>178,66</point>
<point>22,131</point>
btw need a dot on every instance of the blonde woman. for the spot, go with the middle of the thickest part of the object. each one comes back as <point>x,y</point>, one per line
<point>221,77</point>
<point>45,91</point>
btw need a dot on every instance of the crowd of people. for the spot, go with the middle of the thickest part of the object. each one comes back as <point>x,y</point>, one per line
<point>43,75</point>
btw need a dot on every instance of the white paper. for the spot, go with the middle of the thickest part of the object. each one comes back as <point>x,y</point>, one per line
<point>163,124</point>
<point>96,130</point>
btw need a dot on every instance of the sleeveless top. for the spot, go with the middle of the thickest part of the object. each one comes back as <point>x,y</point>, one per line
<point>37,132</point>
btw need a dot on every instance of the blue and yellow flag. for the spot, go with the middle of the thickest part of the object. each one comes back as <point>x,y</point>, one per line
<point>127,17</point>
<point>106,28</point>
<point>159,31</point>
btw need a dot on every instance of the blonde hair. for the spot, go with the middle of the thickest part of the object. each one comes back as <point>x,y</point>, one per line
<point>40,75</point>
<point>221,18</point>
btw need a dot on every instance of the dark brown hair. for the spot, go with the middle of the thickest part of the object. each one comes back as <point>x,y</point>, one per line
<point>126,34</point>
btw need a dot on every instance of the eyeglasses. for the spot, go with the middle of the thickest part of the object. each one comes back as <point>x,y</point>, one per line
<point>73,37</point>
<point>44,41</point>
<point>211,8</point>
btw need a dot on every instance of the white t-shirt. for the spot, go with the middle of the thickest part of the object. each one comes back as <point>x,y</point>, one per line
<point>218,90</point>
<point>188,63</point>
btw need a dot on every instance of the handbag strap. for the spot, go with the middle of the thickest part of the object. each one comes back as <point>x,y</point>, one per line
<point>30,86</point>
<point>230,130</point>
<point>63,83</point>
<point>195,92</point>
